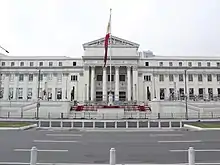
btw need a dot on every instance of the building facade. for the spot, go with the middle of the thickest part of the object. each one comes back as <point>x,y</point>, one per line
<point>136,76</point>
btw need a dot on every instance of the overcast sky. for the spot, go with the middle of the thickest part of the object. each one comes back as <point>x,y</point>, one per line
<point>60,27</point>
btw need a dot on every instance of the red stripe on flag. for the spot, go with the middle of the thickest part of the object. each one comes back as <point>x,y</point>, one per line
<point>106,48</point>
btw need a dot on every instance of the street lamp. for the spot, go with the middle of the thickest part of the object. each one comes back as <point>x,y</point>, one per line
<point>186,102</point>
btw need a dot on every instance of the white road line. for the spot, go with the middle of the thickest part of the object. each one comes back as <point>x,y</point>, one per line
<point>162,135</point>
<point>186,141</point>
<point>74,135</point>
<point>210,150</point>
<point>54,141</point>
<point>28,150</point>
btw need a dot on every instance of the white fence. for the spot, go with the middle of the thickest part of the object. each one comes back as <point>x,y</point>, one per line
<point>112,156</point>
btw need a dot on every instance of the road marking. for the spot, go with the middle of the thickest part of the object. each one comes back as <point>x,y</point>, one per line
<point>74,135</point>
<point>54,141</point>
<point>28,150</point>
<point>211,150</point>
<point>189,141</point>
<point>161,135</point>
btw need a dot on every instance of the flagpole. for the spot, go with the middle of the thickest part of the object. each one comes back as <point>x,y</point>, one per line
<point>110,60</point>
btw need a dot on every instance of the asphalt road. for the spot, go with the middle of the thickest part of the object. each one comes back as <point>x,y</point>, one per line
<point>93,147</point>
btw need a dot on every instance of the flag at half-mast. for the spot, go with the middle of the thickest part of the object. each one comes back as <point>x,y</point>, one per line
<point>106,42</point>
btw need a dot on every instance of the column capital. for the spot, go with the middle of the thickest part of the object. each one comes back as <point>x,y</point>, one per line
<point>86,67</point>
<point>135,68</point>
<point>117,67</point>
<point>92,66</point>
<point>104,68</point>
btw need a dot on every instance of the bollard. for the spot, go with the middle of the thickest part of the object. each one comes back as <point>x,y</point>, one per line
<point>33,160</point>
<point>191,156</point>
<point>112,157</point>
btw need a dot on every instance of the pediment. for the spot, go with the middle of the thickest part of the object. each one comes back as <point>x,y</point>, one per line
<point>116,42</point>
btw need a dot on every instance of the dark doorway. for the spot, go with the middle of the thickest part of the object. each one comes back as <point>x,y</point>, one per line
<point>73,94</point>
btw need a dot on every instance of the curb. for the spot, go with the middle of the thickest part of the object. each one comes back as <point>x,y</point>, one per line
<point>199,128</point>
<point>19,128</point>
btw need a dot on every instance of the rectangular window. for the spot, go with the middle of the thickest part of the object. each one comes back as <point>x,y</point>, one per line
<point>30,77</point>
<point>161,64</point>
<point>180,64</point>
<point>180,77</point>
<point>147,78</point>
<point>11,93</point>
<point>99,78</point>
<point>74,77</point>
<point>74,63</point>
<point>31,63</point>
<point>12,63</point>
<point>58,93</point>
<point>1,92</point>
<point>209,77</point>
<point>218,77</point>
<point>171,77</point>
<point>21,63</point>
<point>190,77</point>
<point>41,63</point>
<point>121,77</point>
<point>189,64</point>
<point>199,64</point>
<point>19,93</point>
<point>218,64</point>
<point>122,96</point>
<point>208,64</point>
<point>161,77</point>
<point>112,78</point>
<point>50,63</point>
<point>200,77</point>
<point>170,64</point>
<point>3,63</point>
<point>98,96</point>
<point>29,93</point>
<point>60,64</point>
<point>21,77</point>
<point>146,63</point>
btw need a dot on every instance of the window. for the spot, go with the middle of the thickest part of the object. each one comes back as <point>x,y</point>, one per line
<point>50,63</point>
<point>21,63</point>
<point>161,77</point>
<point>11,93</point>
<point>209,77</point>
<point>181,77</point>
<point>30,77</point>
<point>99,96</point>
<point>190,77</point>
<point>122,96</point>
<point>31,63</point>
<point>218,64</point>
<point>11,77</point>
<point>171,78</point>
<point>49,76</point>
<point>146,63</point>
<point>74,63</point>
<point>58,93</point>
<point>189,63</point>
<point>59,77</point>
<point>161,64</point>
<point>208,64</point>
<point>41,63</point>
<point>199,64</point>
<point>60,64</point>
<point>19,93</point>
<point>162,93</point>
<point>21,77</point>
<point>218,77</point>
<point>1,92</point>
<point>29,93</point>
<point>112,78</point>
<point>12,63</point>
<point>121,77</point>
<point>99,78</point>
<point>41,77</point>
<point>170,64</point>
<point>180,64</point>
<point>147,78</point>
<point>73,77</point>
<point>3,63</point>
<point>200,77</point>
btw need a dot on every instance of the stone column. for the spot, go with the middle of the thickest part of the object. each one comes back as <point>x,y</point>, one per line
<point>92,83</point>
<point>117,83</point>
<point>16,76</point>
<point>86,83</point>
<point>104,85</point>
<point>6,87</point>
<point>65,92</point>
<point>129,82</point>
<point>135,83</point>
<point>25,89</point>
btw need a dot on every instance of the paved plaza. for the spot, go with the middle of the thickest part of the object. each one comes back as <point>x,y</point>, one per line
<point>93,147</point>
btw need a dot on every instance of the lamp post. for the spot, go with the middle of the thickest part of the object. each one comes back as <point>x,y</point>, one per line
<point>38,94</point>
<point>186,101</point>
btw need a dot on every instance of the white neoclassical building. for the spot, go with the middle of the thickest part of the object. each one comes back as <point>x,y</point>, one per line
<point>136,76</point>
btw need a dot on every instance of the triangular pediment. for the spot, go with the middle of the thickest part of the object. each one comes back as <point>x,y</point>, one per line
<point>116,42</point>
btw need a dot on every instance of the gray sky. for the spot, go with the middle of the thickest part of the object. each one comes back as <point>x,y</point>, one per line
<point>60,27</point>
